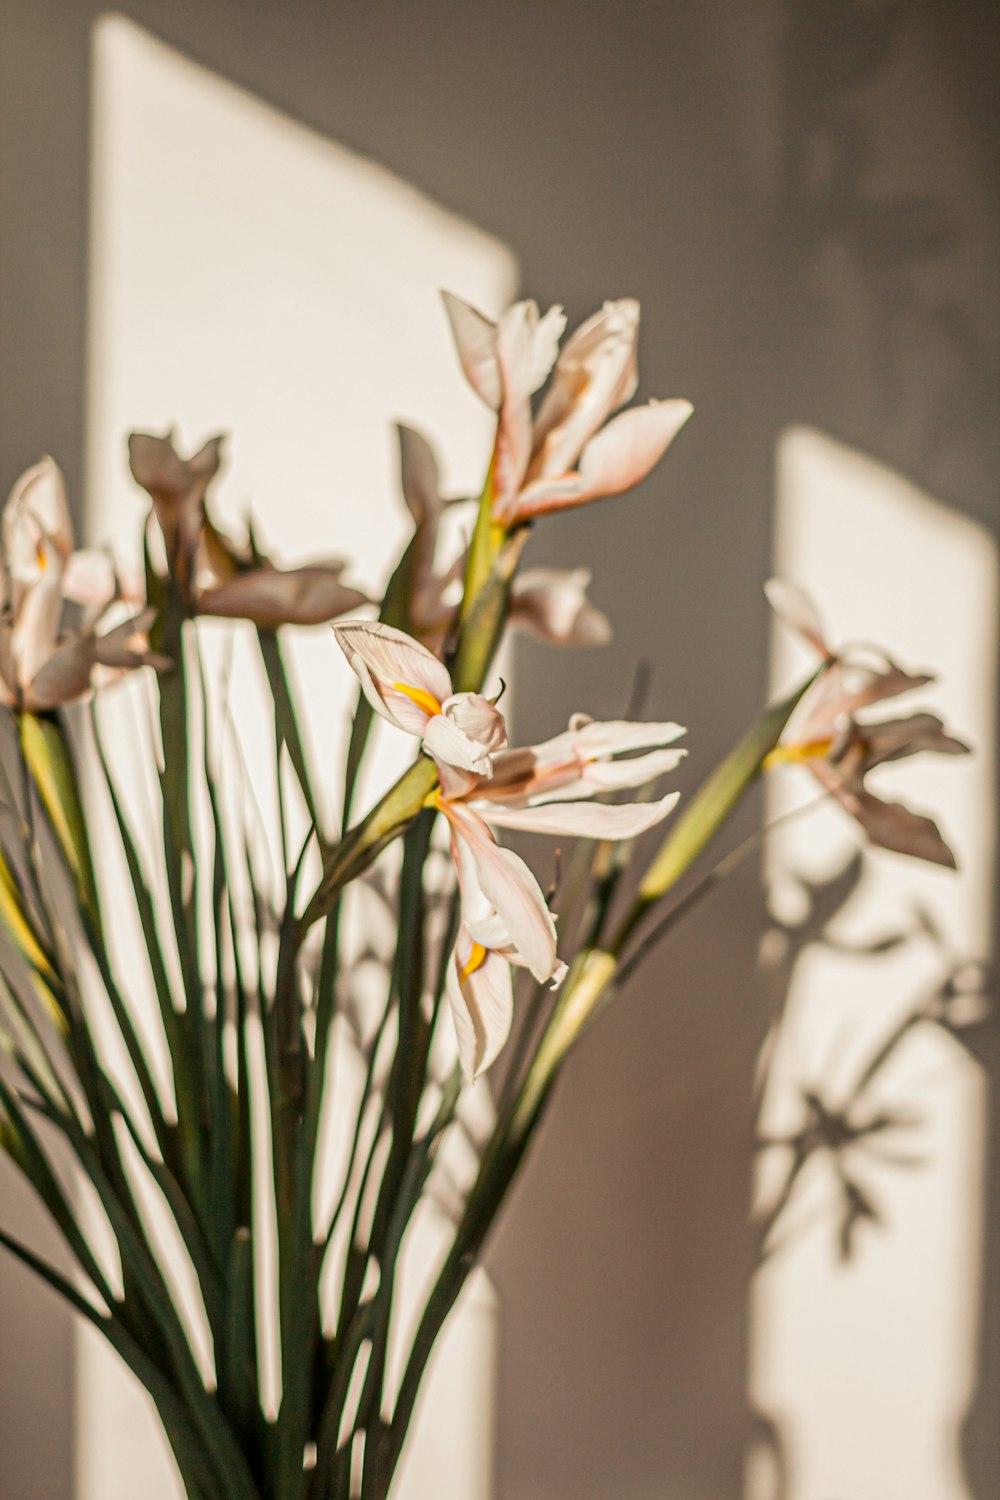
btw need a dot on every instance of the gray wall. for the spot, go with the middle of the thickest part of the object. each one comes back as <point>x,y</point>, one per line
<point>803,195</point>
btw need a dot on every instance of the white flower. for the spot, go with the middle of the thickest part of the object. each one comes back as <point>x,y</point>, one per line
<point>407,685</point>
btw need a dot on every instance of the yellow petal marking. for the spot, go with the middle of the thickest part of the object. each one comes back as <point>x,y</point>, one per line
<point>475,961</point>
<point>420,696</point>
<point>797,754</point>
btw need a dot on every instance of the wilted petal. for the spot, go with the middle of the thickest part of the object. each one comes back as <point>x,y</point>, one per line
<point>481,996</point>
<point>476,341</point>
<point>270,596</point>
<point>594,820</point>
<point>552,604</point>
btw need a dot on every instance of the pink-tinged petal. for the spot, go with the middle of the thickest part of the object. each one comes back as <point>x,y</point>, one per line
<point>270,597</point>
<point>624,452</point>
<point>613,775</point>
<point>387,661</point>
<point>593,820</point>
<point>476,341</point>
<point>481,996</point>
<point>419,476</point>
<point>502,903</point>
<point>847,687</point>
<point>90,579</point>
<point>552,604</point>
<point>577,763</point>
<point>456,783</point>
<point>515,893</point>
<point>38,503</point>
<point>595,375</point>
<point>510,455</point>
<point>36,625</point>
<point>602,737</point>
<point>617,459</point>
<point>527,346</point>
<point>796,610</point>
<point>537,498</point>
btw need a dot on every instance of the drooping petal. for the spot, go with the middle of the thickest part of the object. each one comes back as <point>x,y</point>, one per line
<point>594,820</point>
<point>476,341</point>
<point>502,904</point>
<point>401,679</point>
<point>552,604</point>
<point>270,596</point>
<point>481,996</point>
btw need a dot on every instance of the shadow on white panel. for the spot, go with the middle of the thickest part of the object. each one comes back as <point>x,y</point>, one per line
<point>863,1315</point>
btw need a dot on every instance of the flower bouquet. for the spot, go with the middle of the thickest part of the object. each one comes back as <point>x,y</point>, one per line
<point>176,1107</point>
